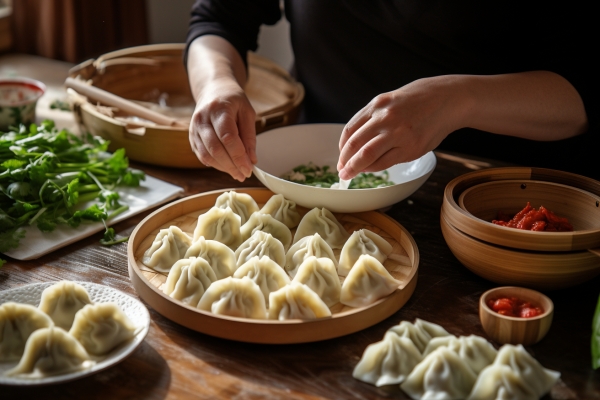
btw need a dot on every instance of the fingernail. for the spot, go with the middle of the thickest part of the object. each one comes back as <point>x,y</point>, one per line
<point>343,174</point>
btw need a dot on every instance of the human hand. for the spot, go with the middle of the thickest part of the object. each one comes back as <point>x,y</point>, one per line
<point>222,130</point>
<point>400,126</point>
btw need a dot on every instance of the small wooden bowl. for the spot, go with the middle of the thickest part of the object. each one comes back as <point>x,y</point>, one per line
<point>515,330</point>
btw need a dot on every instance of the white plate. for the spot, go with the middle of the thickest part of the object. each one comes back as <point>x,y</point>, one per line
<point>133,308</point>
<point>280,150</point>
<point>151,192</point>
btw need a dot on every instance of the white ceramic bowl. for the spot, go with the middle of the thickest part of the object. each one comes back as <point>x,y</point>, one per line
<point>18,98</point>
<point>280,150</point>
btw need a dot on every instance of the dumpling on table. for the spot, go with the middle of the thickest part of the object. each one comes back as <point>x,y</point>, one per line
<point>323,222</point>
<point>234,297</point>
<point>220,224</point>
<point>266,273</point>
<point>258,245</point>
<point>420,333</point>
<point>61,302</point>
<point>51,351</point>
<point>282,210</point>
<point>320,275</point>
<point>501,382</point>
<point>367,282</point>
<point>168,246</point>
<point>477,352</point>
<point>241,204</point>
<point>296,301</point>
<point>101,327</point>
<point>266,223</point>
<point>362,242</point>
<point>308,246</point>
<point>219,256</point>
<point>188,280</point>
<point>17,323</point>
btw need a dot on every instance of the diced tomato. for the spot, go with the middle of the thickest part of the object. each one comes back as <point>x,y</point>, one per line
<point>514,307</point>
<point>535,220</point>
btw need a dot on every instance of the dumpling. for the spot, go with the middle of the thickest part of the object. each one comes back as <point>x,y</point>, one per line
<point>220,224</point>
<point>283,210</point>
<point>61,302</point>
<point>241,204</point>
<point>308,246</point>
<point>441,375</point>
<point>265,272</point>
<point>387,362</point>
<point>17,322</point>
<point>475,350</point>
<point>168,246</point>
<point>188,280</point>
<point>258,245</point>
<point>220,257</point>
<point>266,223</point>
<point>540,379</point>
<point>234,297</point>
<point>323,222</point>
<point>420,333</point>
<point>51,351</point>
<point>101,327</point>
<point>501,382</point>
<point>367,282</point>
<point>296,301</point>
<point>320,275</point>
<point>361,242</point>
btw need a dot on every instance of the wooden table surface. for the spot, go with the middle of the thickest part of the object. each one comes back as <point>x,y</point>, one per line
<point>176,362</point>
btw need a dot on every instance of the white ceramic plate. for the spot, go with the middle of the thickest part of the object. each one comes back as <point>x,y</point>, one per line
<point>280,150</point>
<point>151,192</point>
<point>133,308</point>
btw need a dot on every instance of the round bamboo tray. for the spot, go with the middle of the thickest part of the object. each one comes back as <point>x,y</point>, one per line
<point>402,264</point>
<point>154,76</point>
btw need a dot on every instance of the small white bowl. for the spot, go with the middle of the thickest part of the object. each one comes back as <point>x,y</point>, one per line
<point>18,98</point>
<point>282,149</point>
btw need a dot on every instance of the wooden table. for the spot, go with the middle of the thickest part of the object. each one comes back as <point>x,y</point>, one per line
<point>175,362</point>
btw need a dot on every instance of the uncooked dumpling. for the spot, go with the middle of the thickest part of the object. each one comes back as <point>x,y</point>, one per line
<point>323,222</point>
<point>361,242</point>
<point>168,246</point>
<point>220,257</point>
<point>234,297</point>
<point>258,245</point>
<point>282,210</point>
<point>500,382</point>
<point>367,282</point>
<point>266,223</point>
<point>61,302</point>
<point>188,280</point>
<point>320,275</point>
<point>241,204</point>
<point>265,272</point>
<point>220,224</point>
<point>308,246</point>
<point>296,301</point>
<point>477,352</point>
<point>17,323</point>
<point>421,332</point>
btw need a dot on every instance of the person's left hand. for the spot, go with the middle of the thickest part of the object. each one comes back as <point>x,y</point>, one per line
<point>400,126</point>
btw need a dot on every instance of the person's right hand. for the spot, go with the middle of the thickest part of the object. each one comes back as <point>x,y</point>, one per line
<point>222,129</point>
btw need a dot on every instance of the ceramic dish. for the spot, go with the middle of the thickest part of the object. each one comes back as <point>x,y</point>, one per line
<point>133,308</point>
<point>280,150</point>
<point>402,264</point>
<point>18,99</point>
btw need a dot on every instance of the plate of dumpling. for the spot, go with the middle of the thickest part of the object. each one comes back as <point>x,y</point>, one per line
<point>252,266</point>
<point>56,332</point>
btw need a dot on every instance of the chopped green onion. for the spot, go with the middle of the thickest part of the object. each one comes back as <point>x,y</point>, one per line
<point>314,175</point>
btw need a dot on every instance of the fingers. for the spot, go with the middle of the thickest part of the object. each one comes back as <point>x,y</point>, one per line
<point>247,128</point>
<point>358,120</point>
<point>362,155</point>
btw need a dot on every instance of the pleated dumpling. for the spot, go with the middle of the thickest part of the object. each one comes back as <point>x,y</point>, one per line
<point>234,297</point>
<point>51,351</point>
<point>387,362</point>
<point>266,273</point>
<point>188,280</point>
<point>441,375</point>
<point>101,327</point>
<point>361,242</point>
<point>367,282</point>
<point>320,275</point>
<point>168,246</point>
<point>17,323</point>
<point>220,224</point>
<point>61,302</point>
<point>421,332</point>
<point>501,382</point>
<point>477,352</point>
<point>241,204</point>
<point>308,246</point>
<point>219,256</point>
<point>266,223</point>
<point>283,210</point>
<point>296,301</point>
<point>258,245</point>
<point>323,222</point>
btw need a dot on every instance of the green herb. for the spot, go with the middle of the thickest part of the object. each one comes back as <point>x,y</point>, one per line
<point>2,262</point>
<point>596,337</point>
<point>60,105</point>
<point>48,177</point>
<point>314,175</point>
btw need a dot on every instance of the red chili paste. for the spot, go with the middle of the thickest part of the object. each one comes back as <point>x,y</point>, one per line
<point>514,307</point>
<point>531,219</point>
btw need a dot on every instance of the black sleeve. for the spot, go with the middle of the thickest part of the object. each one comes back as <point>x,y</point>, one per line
<point>237,21</point>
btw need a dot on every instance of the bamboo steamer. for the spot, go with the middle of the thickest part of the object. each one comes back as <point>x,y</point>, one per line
<point>154,76</point>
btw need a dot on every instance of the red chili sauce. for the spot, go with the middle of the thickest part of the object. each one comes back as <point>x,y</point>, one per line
<point>514,307</point>
<point>531,219</point>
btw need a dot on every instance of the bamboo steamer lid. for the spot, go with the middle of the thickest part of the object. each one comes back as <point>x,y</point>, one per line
<point>154,76</point>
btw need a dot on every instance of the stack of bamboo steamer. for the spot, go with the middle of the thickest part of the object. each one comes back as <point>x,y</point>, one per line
<point>154,76</point>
